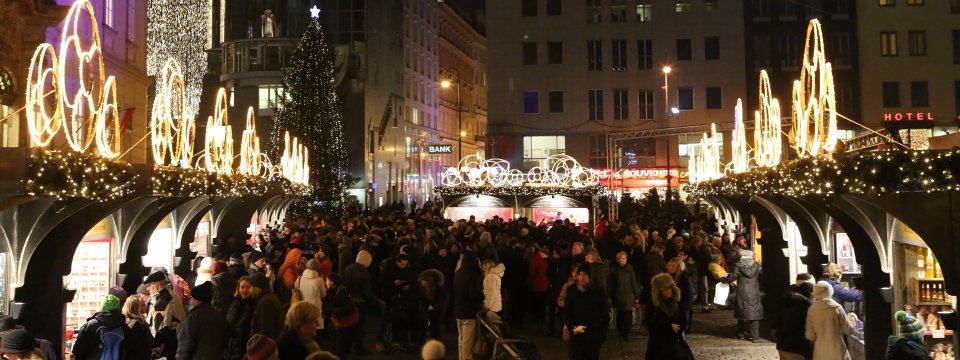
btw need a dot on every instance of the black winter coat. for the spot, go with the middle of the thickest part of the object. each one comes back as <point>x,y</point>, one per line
<point>664,342</point>
<point>624,287</point>
<point>468,288</point>
<point>238,317</point>
<point>88,339</point>
<point>790,327</point>
<point>583,308</point>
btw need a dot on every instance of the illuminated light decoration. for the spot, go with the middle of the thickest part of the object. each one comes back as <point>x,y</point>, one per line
<point>767,143</point>
<point>740,161</point>
<point>252,161</point>
<point>705,164</point>
<point>88,116</point>
<point>180,29</point>
<point>814,131</point>
<point>218,142</point>
<point>294,163</point>
<point>70,174</point>
<point>475,171</point>
<point>172,130</point>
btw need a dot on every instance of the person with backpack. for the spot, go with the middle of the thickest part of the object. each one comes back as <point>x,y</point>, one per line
<point>203,334</point>
<point>101,337</point>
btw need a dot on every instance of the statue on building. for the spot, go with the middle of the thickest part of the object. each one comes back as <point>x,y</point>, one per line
<point>268,26</point>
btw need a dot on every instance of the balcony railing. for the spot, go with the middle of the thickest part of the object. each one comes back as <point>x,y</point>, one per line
<point>259,54</point>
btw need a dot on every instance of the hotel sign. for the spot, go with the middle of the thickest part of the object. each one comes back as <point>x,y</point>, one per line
<point>440,149</point>
<point>908,120</point>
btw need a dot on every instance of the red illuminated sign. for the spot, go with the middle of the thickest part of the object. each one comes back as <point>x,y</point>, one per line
<point>906,120</point>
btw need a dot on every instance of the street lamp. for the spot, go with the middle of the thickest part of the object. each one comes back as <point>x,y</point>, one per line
<point>446,85</point>
<point>666,109</point>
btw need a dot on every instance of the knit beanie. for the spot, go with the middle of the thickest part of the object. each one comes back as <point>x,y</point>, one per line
<point>822,290</point>
<point>313,264</point>
<point>259,280</point>
<point>432,350</point>
<point>364,258</point>
<point>260,347</point>
<point>910,327</point>
<point>110,303</point>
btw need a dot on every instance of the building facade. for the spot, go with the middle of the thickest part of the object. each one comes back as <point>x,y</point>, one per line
<point>587,79</point>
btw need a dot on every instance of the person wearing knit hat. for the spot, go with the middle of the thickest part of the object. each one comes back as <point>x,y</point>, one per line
<point>110,303</point>
<point>108,319</point>
<point>203,334</point>
<point>364,258</point>
<point>587,315</point>
<point>433,350</point>
<point>268,314</point>
<point>826,323</point>
<point>260,347</point>
<point>19,344</point>
<point>910,327</point>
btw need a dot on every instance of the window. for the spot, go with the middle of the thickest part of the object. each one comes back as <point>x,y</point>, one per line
<point>594,55</point>
<point>556,101</point>
<point>598,151</point>
<point>888,2</point>
<point>710,5</point>
<point>842,10</point>
<point>761,8</point>
<point>593,11</point>
<point>536,149</point>
<point>681,6</point>
<point>645,104</point>
<point>891,94</point>
<point>714,98</point>
<point>761,51</point>
<point>841,49</point>
<point>684,49</point>
<point>789,10</point>
<point>956,46</point>
<point>595,104</point>
<point>645,54</point>
<point>268,96</point>
<point>685,98</point>
<point>711,48</point>
<point>528,7</point>
<point>555,52</point>
<point>531,102</point>
<point>789,52</point>
<point>645,11</point>
<point>919,94</point>
<point>914,2</point>
<point>845,100</point>
<point>619,49</point>
<point>108,13</point>
<point>888,44</point>
<point>917,41</point>
<point>529,53</point>
<point>621,104</point>
<point>554,7</point>
<point>618,11</point>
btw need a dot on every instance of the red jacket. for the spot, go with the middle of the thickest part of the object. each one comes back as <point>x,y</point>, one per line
<point>537,277</point>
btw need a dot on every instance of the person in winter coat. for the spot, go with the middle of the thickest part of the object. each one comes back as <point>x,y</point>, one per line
<point>749,309</point>
<point>339,305</point>
<point>909,345</point>
<point>434,301</point>
<point>826,323</point>
<point>358,280</point>
<point>224,286</point>
<point>239,318</point>
<point>667,321</point>
<point>832,274</point>
<point>165,314</point>
<point>18,344</point>
<point>587,315</point>
<point>313,288</point>
<point>677,269</point>
<point>492,280</point>
<point>467,302</point>
<point>789,329</point>
<point>539,283</point>
<point>138,341</point>
<point>108,318</point>
<point>287,275</point>
<point>203,334</point>
<point>300,326</point>
<point>267,318</point>
<point>625,293</point>
<point>326,264</point>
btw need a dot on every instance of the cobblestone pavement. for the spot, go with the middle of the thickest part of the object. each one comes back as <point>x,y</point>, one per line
<point>712,337</point>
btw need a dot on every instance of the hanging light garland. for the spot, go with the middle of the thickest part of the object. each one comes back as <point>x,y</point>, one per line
<point>814,131</point>
<point>70,174</point>
<point>218,139</point>
<point>294,163</point>
<point>768,146</point>
<point>475,171</point>
<point>172,129</point>
<point>740,161</point>
<point>705,163</point>
<point>173,30</point>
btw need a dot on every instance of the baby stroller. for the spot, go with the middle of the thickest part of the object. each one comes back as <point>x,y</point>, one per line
<point>494,341</point>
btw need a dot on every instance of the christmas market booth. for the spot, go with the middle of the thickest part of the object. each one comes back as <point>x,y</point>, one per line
<point>484,188</point>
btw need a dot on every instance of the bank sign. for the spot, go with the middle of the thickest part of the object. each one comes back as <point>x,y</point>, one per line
<point>440,149</point>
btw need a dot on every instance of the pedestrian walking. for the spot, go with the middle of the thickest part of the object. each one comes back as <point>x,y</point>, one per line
<point>203,334</point>
<point>667,322</point>
<point>587,314</point>
<point>789,327</point>
<point>313,288</point>
<point>139,341</point>
<point>749,309</point>
<point>492,280</point>
<point>102,335</point>
<point>165,314</point>
<point>826,323</point>
<point>625,294</point>
<point>239,318</point>
<point>300,327</point>
<point>344,315</point>
<point>468,301</point>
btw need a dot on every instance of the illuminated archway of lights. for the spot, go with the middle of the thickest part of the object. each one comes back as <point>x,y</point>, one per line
<point>705,164</point>
<point>86,117</point>
<point>474,170</point>
<point>814,129</point>
<point>740,161</point>
<point>218,142</point>
<point>294,161</point>
<point>252,161</point>
<point>172,129</point>
<point>767,143</point>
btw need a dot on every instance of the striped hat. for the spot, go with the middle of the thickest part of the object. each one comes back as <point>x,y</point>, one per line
<point>910,327</point>
<point>260,347</point>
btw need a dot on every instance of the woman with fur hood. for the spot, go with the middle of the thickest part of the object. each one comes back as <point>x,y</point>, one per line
<point>433,301</point>
<point>666,338</point>
<point>492,279</point>
<point>826,324</point>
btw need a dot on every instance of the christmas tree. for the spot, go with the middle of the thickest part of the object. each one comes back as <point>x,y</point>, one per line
<point>311,111</point>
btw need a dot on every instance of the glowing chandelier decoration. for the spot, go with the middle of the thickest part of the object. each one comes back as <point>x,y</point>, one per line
<point>294,163</point>
<point>82,105</point>
<point>218,142</point>
<point>705,164</point>
<point>475,171</point>
<point>768,146</point>
<point>814,131</point>
<point>740,161</point>
<point>252,161</point>
<point>172,129</point>
<point>180,29</point>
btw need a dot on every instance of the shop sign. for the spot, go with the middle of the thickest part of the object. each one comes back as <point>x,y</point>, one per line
<point>441,149</point>
<point>641,174</point>
<point>908,120</point>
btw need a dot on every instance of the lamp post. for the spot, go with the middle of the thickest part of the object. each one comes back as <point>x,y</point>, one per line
<point>460,133</point>
<point>666,111</point>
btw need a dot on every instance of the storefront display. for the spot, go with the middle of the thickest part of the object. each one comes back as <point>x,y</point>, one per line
<point>90,277</point>
<point>926,297</point>
<point>161,247</point>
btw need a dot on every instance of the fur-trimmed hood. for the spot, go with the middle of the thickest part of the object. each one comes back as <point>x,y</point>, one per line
<point>432,276</point>
<point>659,283</point>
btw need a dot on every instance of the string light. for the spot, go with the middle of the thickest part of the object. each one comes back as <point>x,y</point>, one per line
<point>814,131</point>
<point>172,129</point>
<point>174,31</point>
<point>475,171</point>
<point>218,139</point>
<point>768,146</point>
<point>294,162</point>
<point>740,161</point>
<point>705,163</point>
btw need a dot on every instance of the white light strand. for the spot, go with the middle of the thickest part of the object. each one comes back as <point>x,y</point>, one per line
<point>740,161</point>
<point>251,159</point>
<point>90,114</point>
<point>814,131</point>
<point>563,170</point>
<point>705,164</point>
<point>294,163</point>
<point>768,145</point>
<point>172,129</point>
<point>218,142</point>
<point>173,30</point>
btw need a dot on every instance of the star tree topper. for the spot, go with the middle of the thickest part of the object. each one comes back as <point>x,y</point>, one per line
<point>314,12</point>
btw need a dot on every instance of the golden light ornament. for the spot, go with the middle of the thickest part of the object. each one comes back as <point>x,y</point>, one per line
<point>250,156</point>
<point>740,161</point>
<point>475,171</point>
<point>294,164</point>
<point>88,115</point>
<point>172,129</point>
<point>814,131</point>
<point>705,164</point>
<point>218,142</point>
<point>767,143</point>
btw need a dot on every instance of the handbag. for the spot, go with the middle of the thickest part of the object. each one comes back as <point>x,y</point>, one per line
<point>346,321</point>
<point>722,292</point>
<point>296,295</point>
